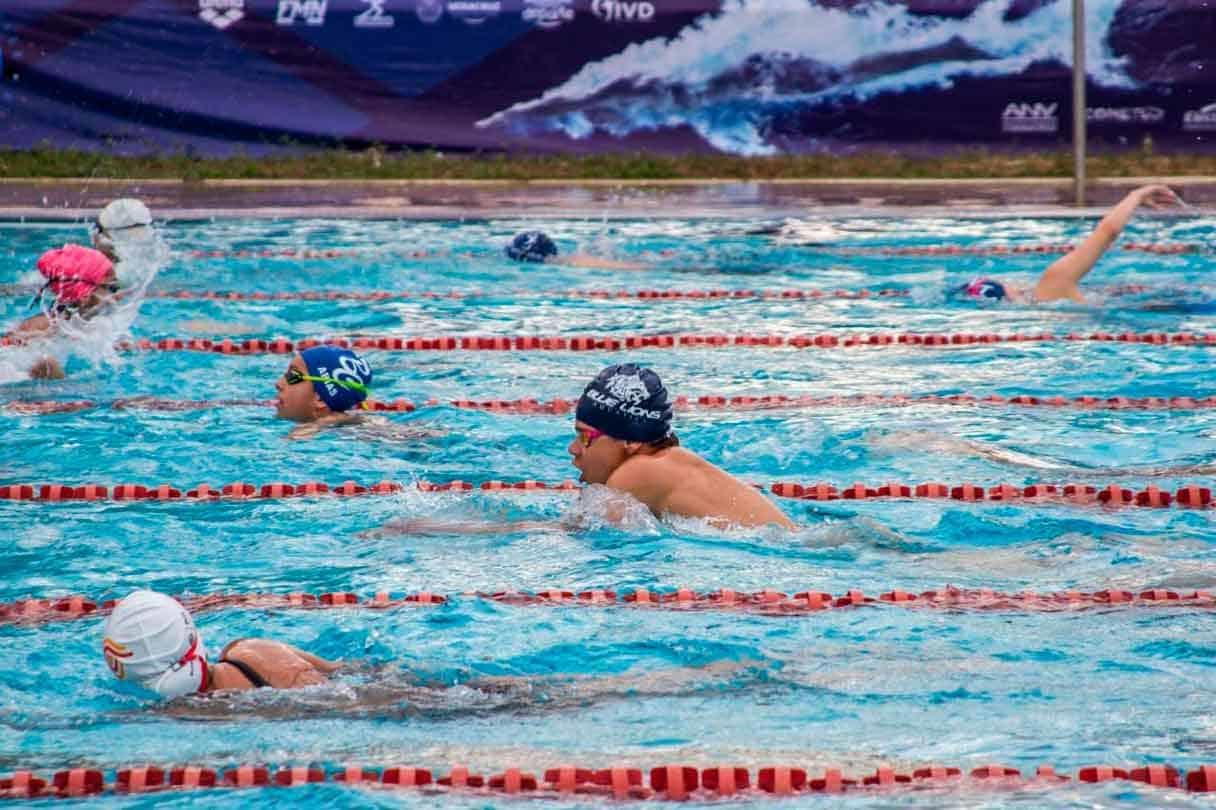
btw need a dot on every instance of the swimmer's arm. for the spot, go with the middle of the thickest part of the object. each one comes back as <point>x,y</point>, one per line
<point>645,483</point>
<point>311,429</point>
<point>1060,280</point>
<point>426,527</point>
<point>595,262</point>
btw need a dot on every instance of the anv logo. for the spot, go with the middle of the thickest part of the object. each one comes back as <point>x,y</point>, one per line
<point>623,10</point>
<point>374,16</point>
<point>221,13</point>
<point>1030,117</point>
<point>1026,110</point>
<point>311,12</point>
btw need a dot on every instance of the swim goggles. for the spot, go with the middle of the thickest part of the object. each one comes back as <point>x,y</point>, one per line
<point>586,437</point>
<point>294,377</point>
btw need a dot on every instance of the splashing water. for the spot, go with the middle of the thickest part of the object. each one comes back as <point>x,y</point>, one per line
<point>141,254</point>
<point>726,75</point>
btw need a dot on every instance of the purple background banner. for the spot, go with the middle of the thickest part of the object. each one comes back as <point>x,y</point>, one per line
<point>746,77</point>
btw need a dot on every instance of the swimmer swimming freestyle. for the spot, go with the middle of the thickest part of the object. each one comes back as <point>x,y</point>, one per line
<point>624,442</point>
<point>340,385</point>
<point>151,639</point>
<point>1061,280</point>
<point>536,247</point>
<point>81,281</point>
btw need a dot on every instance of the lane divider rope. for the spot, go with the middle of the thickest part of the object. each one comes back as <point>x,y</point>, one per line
<point>666,782</point>
<point>1192,496</point>
<point>706,402</point>
<point>768,602</point>
<point>1168,248</point>
<point>666,341</point>
<point>578,294</point>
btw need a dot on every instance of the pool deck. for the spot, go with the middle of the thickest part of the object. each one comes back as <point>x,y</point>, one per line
<point>76,199</point>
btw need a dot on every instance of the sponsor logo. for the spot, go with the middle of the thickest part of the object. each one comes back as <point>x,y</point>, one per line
<point>474,12</point>
<point>1124,115</point>
<point>221,13</point>
<point>429,11</point>
<point>310,12</point>
<point>113,651</point>
<point>548,13</point>
<point>1030,118</point>
<point>1201,120</point>
<point>623,10</point>
<point>374,16</point>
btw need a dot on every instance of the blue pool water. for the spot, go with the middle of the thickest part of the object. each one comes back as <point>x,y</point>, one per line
<point>601,687</point>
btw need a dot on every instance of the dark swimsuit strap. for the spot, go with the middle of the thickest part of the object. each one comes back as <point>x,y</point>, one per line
<point>249,672</point>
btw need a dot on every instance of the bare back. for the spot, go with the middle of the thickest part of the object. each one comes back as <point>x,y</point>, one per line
<point>280,665</point>
<point>676,481</point>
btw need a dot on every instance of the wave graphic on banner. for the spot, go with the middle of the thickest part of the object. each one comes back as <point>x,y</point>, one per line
<point>728,75</point>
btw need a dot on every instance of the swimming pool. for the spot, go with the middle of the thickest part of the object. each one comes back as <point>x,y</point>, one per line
<point>602,686</point>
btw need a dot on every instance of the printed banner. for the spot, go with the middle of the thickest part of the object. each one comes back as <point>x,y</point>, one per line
<point>747,77</point>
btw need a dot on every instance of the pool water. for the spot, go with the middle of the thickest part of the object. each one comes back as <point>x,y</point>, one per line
<point>605,686</point>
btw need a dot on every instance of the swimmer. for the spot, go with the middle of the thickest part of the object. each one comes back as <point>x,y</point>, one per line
<point>82,282</point>
<point>1061,280</point>
<point>623,441</point>
<point>340,383</point>
<point>151,639</point>
<point>538,248</point>
<point>121,224</point>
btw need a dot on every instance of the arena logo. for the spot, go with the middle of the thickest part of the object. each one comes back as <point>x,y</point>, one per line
<point>1201,120</point>
<point>548,13</point>
<point>374,16</point>
<point>1034,118</point>
<point>311,12</point>
<point>221,13</point>
<point>623,10</point>
<point>428,11</point>
<point>474,12</point>
<point>1124,115</point>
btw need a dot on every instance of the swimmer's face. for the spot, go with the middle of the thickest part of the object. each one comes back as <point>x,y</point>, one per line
<point>297,401</point>
<point>595,456</point>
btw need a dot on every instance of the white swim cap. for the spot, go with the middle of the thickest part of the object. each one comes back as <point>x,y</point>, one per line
<point>122,214</point>
<point>150,638</point>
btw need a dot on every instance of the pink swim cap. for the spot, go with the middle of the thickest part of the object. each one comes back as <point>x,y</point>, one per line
<point>72,272</point>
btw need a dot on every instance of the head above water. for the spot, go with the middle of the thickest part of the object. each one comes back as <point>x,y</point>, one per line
<point>74,273</point>
<point>982,288</point>
<point>340,380</point>
<point>125,219</point>
<point>151,639</point>
<point>531,246</point>
<point>622,411</point>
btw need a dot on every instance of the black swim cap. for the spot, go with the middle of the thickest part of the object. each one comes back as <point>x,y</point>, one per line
<point>531,246</point>
<point>627,402</point>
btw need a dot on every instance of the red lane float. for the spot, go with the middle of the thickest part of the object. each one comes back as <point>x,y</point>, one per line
<point>705,402</point>
<point>1189,496</point>
<point>254,346</point>
<point>664,782</point>
<point>767,602</point>
<point>595,294</point>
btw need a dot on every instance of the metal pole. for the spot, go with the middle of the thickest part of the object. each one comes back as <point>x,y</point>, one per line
<point>1078,101</point>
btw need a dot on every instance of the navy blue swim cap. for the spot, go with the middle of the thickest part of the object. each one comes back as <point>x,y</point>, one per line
<point>531,246</point>
<point>626,402</point>
<point>982,288</point>
<point>346,377</point>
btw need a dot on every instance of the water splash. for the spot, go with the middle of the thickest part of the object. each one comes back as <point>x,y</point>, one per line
<point>92,339</point>
<point>726,76</point>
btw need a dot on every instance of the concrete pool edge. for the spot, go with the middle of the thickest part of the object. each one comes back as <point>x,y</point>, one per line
<point>80,198</point>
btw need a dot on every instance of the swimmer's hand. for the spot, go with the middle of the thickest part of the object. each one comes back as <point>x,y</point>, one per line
<point>48,368</point>
<point>311,429</point>
<point>1157,196</point>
